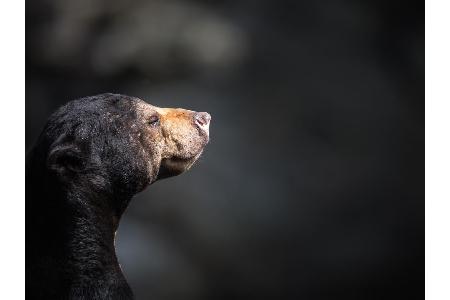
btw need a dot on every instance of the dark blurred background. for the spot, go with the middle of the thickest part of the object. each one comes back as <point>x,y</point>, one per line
<point>313,184</point>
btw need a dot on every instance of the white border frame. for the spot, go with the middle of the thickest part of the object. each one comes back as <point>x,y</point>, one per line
<point>437,150</point>
<point>12,125</point>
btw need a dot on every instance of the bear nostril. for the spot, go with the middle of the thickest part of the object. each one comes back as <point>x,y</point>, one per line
<point>202,119</point>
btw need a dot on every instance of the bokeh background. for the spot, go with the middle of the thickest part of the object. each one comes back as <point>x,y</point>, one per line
<point>313,184</point>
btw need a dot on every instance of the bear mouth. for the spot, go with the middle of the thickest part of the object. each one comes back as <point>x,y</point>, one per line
<point>175,165</point>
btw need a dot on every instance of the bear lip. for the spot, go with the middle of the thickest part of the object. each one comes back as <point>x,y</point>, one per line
<point>175,165</point>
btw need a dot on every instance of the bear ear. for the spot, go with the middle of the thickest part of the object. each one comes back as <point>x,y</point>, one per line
<point>65,159</point>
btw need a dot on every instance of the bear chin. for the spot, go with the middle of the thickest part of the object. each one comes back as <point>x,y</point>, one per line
<point>175,165</point>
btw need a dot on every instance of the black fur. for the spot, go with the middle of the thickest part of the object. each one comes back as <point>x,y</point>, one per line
<point>80,177</point>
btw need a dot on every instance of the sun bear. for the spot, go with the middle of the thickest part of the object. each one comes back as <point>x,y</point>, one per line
<point>93,155</point>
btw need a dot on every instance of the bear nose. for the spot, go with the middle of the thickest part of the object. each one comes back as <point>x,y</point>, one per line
<point>202,119</point>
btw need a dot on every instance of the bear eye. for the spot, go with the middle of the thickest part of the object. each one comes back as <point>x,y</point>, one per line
<point>154,120</point>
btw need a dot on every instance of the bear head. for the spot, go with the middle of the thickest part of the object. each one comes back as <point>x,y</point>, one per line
<point>117,145</point>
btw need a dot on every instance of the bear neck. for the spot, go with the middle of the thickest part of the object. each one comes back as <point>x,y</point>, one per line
<point>70,238</point>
